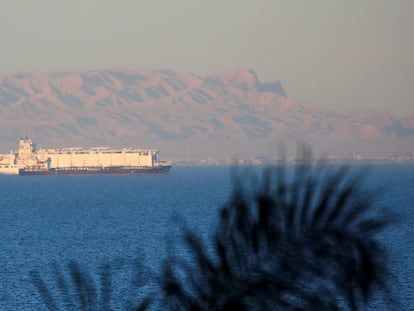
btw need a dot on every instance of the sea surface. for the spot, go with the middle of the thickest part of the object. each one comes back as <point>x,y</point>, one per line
<point>132,222</point>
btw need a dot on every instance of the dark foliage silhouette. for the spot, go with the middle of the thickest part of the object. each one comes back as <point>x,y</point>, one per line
<point>80,292</point>
<point>301,237</point>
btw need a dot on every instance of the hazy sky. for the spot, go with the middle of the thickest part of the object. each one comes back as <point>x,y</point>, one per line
<point>340,54</point>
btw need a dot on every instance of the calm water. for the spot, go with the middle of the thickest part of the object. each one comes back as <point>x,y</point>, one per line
<point>96,220</point>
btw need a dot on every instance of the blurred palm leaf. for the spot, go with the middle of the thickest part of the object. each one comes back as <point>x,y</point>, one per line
<point>80,291</point>
<point>301,237</point>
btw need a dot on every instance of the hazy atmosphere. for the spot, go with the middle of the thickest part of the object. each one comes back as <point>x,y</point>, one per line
<point>341,55</point>
<point>180,155</point>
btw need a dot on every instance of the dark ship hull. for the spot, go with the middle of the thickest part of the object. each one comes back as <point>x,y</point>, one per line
<point>93,171</point>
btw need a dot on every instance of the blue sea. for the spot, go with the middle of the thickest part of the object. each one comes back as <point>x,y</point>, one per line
<point>131,222</point>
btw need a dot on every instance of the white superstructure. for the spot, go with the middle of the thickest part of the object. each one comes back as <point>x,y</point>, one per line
<point>11,163</point>
<point>28,156</point>
<point>98,157</point>
<point>8,165</point>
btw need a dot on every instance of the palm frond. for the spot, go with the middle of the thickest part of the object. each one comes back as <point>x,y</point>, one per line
<point>299,238</point>
<point>77,290</point>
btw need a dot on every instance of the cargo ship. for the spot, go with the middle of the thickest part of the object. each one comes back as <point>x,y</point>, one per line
<point>80,161</point>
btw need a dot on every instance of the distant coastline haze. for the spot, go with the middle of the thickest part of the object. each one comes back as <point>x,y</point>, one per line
<point>187,116</point>
<point>341,55</point>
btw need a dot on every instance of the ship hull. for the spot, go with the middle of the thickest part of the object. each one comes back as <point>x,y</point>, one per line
<point>94,171</point>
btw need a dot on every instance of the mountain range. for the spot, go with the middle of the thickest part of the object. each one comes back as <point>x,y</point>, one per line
<point>184,115</point>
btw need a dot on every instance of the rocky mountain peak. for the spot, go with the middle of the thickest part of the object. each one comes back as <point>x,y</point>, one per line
<point>221,114</point>
<point>247,80</point>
